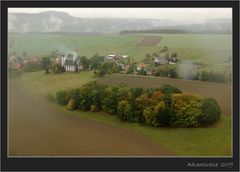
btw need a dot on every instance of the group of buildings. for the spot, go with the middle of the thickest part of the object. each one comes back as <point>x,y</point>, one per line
<point>71,63</point>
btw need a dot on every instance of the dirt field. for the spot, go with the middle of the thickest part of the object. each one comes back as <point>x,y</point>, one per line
<point>149,41</point>
<point>37,129</point>
<point>221,92</point>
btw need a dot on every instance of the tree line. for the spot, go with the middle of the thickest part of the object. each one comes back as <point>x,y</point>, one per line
<point>175,31</point>
<point>158,107</point>
<point>171,71</point>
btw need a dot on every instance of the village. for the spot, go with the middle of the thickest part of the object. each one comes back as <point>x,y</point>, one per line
<point>116,63</point>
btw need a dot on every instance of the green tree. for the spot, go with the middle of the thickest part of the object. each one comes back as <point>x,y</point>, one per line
<point>96,62</point>
<point>85,62</point>
<point>123,110</point>
<point>46,63</point>
<point>210,111</point>
<point>187,110</point>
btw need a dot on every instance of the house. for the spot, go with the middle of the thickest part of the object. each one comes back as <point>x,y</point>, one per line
<point>125,56</point>
<point>110,57</point>
<point>160,60</point>
<point>171,63</point>
<point>70,62</point>
<point>116,58</point>
<point>140,67</point>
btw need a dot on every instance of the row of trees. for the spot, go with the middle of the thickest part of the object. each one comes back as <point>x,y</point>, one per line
<point>175,31</point>
<point>171,71</point>
<point>164,106</point>
<point>212,76</point>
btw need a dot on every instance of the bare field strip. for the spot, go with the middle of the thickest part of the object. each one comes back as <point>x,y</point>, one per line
<point>149,41</point>
<point>221,92</point>
<point>38,129</point>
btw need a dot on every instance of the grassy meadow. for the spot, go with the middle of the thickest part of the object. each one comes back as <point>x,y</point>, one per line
<point>210,141</point>
<point>214,50</point>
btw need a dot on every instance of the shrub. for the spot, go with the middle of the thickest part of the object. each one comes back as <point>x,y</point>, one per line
<point>213,76</point>
<point>131,69</point>
<point>148,115</point>
<point>210,111</point>
<point>123,110</point>
<point>136,92</point>
<point>113,95</point>
<point>83,105</point>
<point>100,73</point>
<point>61,97</point>
<point>109,102</point>
<point>156,97</point>
<point>123,92</point>
<point>84,99</point>
<point>74,93</point>
<point>93,108</point>
<point>162,116</point>
<point>155,115</point>
<point>167,89</point>
<point>167,71</point>
<point>72,104</point>
<point>172,73</point>
<point>187,110</point>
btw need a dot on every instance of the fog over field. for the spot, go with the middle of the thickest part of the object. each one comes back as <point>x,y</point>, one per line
<point>116,20</point>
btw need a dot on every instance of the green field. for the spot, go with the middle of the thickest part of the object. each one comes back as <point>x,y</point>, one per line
<point>211,49</point>
<point>209,141</point>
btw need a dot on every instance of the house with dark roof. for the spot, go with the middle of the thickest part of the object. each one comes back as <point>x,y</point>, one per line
<point>70,62</point>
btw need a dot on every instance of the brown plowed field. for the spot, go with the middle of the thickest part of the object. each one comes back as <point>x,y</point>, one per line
<point>221,92</point>
<point>149,41</point>
<point>37,129</point>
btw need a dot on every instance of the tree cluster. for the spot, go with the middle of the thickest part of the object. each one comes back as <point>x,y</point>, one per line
<point>166,71</point>
<point>158,107</point>
<point>212,76</point>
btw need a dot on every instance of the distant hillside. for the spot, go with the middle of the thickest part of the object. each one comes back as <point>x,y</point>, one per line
<point>52,21</point>
<point>219,26</point>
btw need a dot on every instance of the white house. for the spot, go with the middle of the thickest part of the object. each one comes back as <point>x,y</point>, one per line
<point>160,60</point>
<point>70,62</point>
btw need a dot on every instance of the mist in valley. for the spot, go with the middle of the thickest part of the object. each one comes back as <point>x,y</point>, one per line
<point>113,21</point>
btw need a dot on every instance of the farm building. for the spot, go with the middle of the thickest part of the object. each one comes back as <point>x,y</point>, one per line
<point>70,62</point>
<point>114,57</point>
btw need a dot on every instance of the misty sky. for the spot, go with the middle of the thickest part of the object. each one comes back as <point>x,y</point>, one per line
<point>159,13</point>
